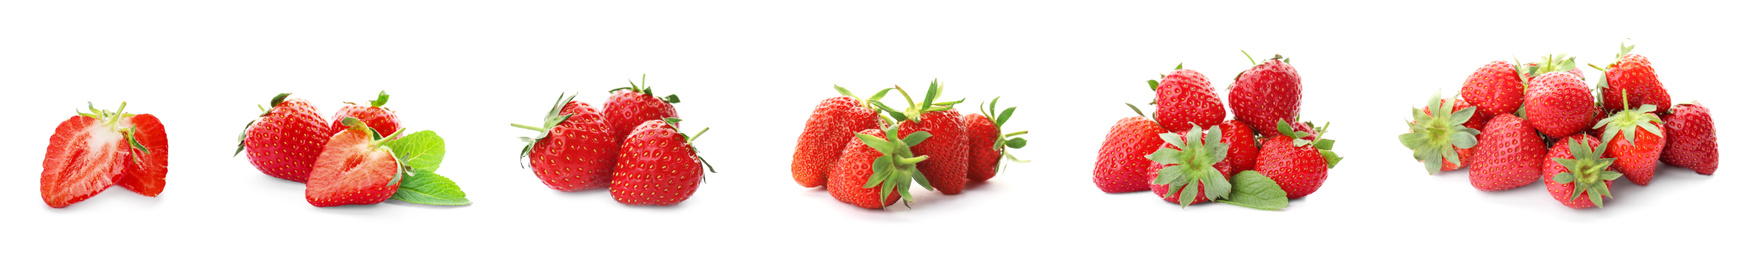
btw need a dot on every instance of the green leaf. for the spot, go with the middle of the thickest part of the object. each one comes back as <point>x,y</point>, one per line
<point>1253,190</point>
<point>421,151</point>
<point>432,189</point>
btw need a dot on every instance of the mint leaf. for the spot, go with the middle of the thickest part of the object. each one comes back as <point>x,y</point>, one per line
<point>429,188</point>
<point>1256,191</point>
<point>421,151</point>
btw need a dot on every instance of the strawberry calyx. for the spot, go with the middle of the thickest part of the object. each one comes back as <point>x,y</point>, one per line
<point>646,90</point>
<point>1551,63</point>
<point>552,119</point>
<point>1626,120</point>
<point>112,120</point>
<point>1325,146</point>
<point>915,110</point>
<point>868,102</point>
<point>1587,171</point>
<point>1434,138</point>
<point>1189,164</point>
<point>273,102</point>
<point>896,169</point>
<point>1010,140</point>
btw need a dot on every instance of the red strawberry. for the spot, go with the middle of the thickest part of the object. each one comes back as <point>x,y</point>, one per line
<point>1509,155</point>
<point>1692,143</point>
<point>1577,173</point>
<point>947,147</point>
<point>574,150</point>
<point>355,168</point>
<point>144,171</point>
<point>985,144</point>
<point>1120,165</point>
<point>1190,162</point>
<point>1297,164</point>
<point>382,120</point>
<point>91,151</point>
<point>1559,105</point>
<point>1494,89</point>
<point>857,181</point>
<point>1443,141</point>
<point>1243,147</point>
<point>631,106</point>
<point>1630,82</point>
<point>658,166</point>
<point>1267,93</point>
<point>286,139</point>
<point>1635,152</point>
<point>1185,98</point>
<point>834,122</point>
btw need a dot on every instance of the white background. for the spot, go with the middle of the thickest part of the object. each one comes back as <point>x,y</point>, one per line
<point>752,71</point>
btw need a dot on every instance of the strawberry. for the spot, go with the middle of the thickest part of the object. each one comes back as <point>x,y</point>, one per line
<point>631,106</point>
<point>1692,141</point>
<point>382,120</point>
<point>1296,163</point>
<point>1190,162</point>
<point>1243,146</point>
<point>1441,140</point>
<point>1559,105</point>
<point>574,149</point>
<point>1495,88</point>
<point>985,145</point>
<point>356,167</point>
<point>285,139</point>
<point>947,147</point>
<point>856,178</point>
<point>1508,155</point>
<point>1577,173</point>
<point>1635,152</point>
<point>658,166</point>
<point>834,122</point>
<point>1632,79</point>
<point>1184,98</point>
<point>1120,165</point>
<point>91,151</point>
<point>1266,94</point>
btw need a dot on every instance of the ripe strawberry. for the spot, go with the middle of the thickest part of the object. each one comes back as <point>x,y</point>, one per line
<point>1577,173</point>
<point>1636,152</point>
<point>1267,93</point>
<point>658,166</point>
<point>91,151</point>
<point>1692,143</point>
<point>1190,162</point>
<point>144,171</point>
<point>947,167</point>
<point>1495,88</point>
<point>856,179</point>
<point>356,167</point>
<point>1509,155</point>
<point>285,139</point>
<point>1120,165</point>
<point>1632,80</point>
<point>382,120</point>
<point>1296,163</point>
<point>631,106</point>
<point>834,122</point>
<point>1559,105</point>
<point>1243,147</point>
<point>1442,141</point>
<point>574,149</point>
<point>985,145</point>
<point>1185,98</point>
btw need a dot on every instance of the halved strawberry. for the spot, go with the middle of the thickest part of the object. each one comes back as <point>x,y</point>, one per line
<point>144,172</point>
<point>87,154</point>
<point>355,168</point>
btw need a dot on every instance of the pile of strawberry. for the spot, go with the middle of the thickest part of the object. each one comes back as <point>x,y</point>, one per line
<point>1514,124</point>
<point>634,148</point>
<point>91,151</point>
<point>359,157</point>
<point>869,160</point>
<point>1190,154</point>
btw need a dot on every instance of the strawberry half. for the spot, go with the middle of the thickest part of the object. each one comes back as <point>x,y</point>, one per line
<point>379,118</point>
<point>356,167</point>
<point>1441,140</point>
<point>877,168</point>
<point>574,149</point>
<point>91,151</point>
<point>144,171</point>
<point>986,146</point>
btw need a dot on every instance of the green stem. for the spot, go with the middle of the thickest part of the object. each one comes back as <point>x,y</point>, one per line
<point>527,127</point>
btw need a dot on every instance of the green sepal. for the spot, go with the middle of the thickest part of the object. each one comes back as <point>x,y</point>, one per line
<point>896,168</point>
<point>1435,138</point>
<point>1189,165</point>
<point>379,102</point>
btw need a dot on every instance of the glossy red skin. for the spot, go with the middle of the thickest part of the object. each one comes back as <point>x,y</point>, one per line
<point>1119,166</point>
<point>626,109</point>
<point>144,173</point>
<point>1161,190</point>
<point>1265,94</point>
<point>855,165</point>
<point>1563,191</point>
<point>577,154</point>
<point>947,147</point>
<point>71,172</point>
<point>1509,155</point>
<point>981,143</point>
<point>285,142</point>
<point>1637,160</point>
<point>351,171</point>
<point>1298,170</point>
<point>380,119</point>
<point>1634,75</point>
<point>1184,98</point>
<point>1559,105</point>
<point>656,167</point>
<point>1466,156</point>
<point>1243,146</point>
<point>1693,142</point>
<point>834,122</point>
<point>1495,89</point>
